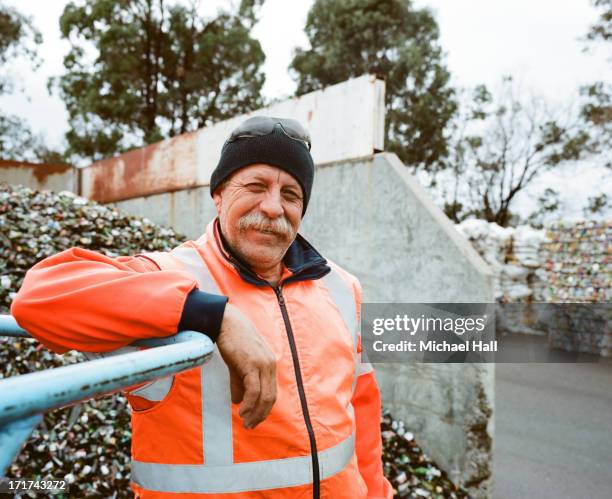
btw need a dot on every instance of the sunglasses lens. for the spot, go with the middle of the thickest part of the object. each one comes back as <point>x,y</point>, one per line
<point>295,130</point>
<point>258,125</point>
<point>263,125</point>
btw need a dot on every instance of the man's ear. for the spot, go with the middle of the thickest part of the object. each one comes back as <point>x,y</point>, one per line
<point>217,199</point>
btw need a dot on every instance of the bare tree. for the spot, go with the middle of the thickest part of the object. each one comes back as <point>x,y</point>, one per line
<point>501,145</point>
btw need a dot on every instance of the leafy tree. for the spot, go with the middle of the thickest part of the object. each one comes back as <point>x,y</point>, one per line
<point>602,29</point>
<point>597,108</point>
<point>349,38</point>
<point>19,143</point>
<point>143,70</point>
<point>500,147</point>
<point>597,111</point>
<point>597,204</point>
<point>548,203</point>
<point>18,39</point>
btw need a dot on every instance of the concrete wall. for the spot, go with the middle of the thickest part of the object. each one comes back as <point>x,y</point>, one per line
<point>39,176</point>
<point>186,211</point>
<point>373,218</point>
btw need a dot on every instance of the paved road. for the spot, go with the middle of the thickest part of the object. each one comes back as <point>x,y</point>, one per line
<point>553,430</point>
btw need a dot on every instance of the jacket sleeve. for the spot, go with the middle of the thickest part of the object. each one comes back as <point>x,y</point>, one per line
<point>368,442</point>
<point>80,299</point>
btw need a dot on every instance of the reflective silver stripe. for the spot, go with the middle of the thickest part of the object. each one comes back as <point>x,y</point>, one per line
<point>217,412</point>
<point>364,363</point>
<point>216,395</point>
<point>154,391</point>
<point>344,299</point>
<point>242,477</point>
<point>193,262</point>
<point>365,368</point>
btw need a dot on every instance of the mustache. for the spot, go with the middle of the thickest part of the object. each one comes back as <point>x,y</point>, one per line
<point>279,226</point>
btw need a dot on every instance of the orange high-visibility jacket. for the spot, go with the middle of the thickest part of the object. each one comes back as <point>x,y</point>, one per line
<point>322,437</point>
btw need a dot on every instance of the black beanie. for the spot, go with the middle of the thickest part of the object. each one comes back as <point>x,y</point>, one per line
<point>276,149</point>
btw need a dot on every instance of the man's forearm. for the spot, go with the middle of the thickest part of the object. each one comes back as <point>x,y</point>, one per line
<point>82,300</point>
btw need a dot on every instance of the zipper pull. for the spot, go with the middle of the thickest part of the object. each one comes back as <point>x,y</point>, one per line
<point>279,295</point>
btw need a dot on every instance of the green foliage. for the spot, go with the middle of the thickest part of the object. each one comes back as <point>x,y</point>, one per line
<point>142,70</point>
<point>548,202</point>
<point>597,204</point>
<point>597,111</point>
<point>602,29</point>
<point>349,38</point>
<point>597,97</point>
<point>500,145</point>
<point>19,143</point>
<point>18,38</point>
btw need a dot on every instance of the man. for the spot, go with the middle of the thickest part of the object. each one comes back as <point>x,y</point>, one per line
<point>285,323</point>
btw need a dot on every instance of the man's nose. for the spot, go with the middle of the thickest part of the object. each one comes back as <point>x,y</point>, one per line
<point>272,204</point>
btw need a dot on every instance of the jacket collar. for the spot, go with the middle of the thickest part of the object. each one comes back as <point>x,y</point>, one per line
<point>302,259</point>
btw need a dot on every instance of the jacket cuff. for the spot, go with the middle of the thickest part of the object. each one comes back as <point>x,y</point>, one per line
<point>203,312</point>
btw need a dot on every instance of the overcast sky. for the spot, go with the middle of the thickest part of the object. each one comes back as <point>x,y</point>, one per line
<point>536,41</point>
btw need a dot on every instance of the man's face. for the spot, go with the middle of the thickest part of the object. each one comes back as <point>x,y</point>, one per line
<point>260,210</point>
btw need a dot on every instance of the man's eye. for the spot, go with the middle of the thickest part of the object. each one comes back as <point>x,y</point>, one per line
<point>256,187</point>
<point>290,195</point>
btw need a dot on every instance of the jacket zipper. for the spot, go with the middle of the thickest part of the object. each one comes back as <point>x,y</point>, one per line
<point>300,385</point>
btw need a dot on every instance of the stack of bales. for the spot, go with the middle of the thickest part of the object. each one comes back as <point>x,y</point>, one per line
<point>578,270</point>
<point>578,262</point>
<point>568,263</point>
<point>512,254</point>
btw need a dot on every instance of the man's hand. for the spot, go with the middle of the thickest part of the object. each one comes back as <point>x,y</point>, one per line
<point>251,364</point>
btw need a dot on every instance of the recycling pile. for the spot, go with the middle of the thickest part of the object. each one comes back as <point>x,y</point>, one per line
<point>512,254</point>
<point>578,262</point>
<point>578,269</point>
<point>408,469</point>
<point>89,445</point>
<point>566,263</point>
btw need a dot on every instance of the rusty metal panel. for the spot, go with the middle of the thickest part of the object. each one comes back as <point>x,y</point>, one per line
<point>39,176</point>
<point>345,121</point>
<point>165,166</point>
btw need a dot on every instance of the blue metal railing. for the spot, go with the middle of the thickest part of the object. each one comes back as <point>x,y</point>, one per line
<point>9,327</point>
<point>24,399</point>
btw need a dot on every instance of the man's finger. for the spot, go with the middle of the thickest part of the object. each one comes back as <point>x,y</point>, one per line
<point>267,396</point>
<point>252,389</point>
<point>236,387</point>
